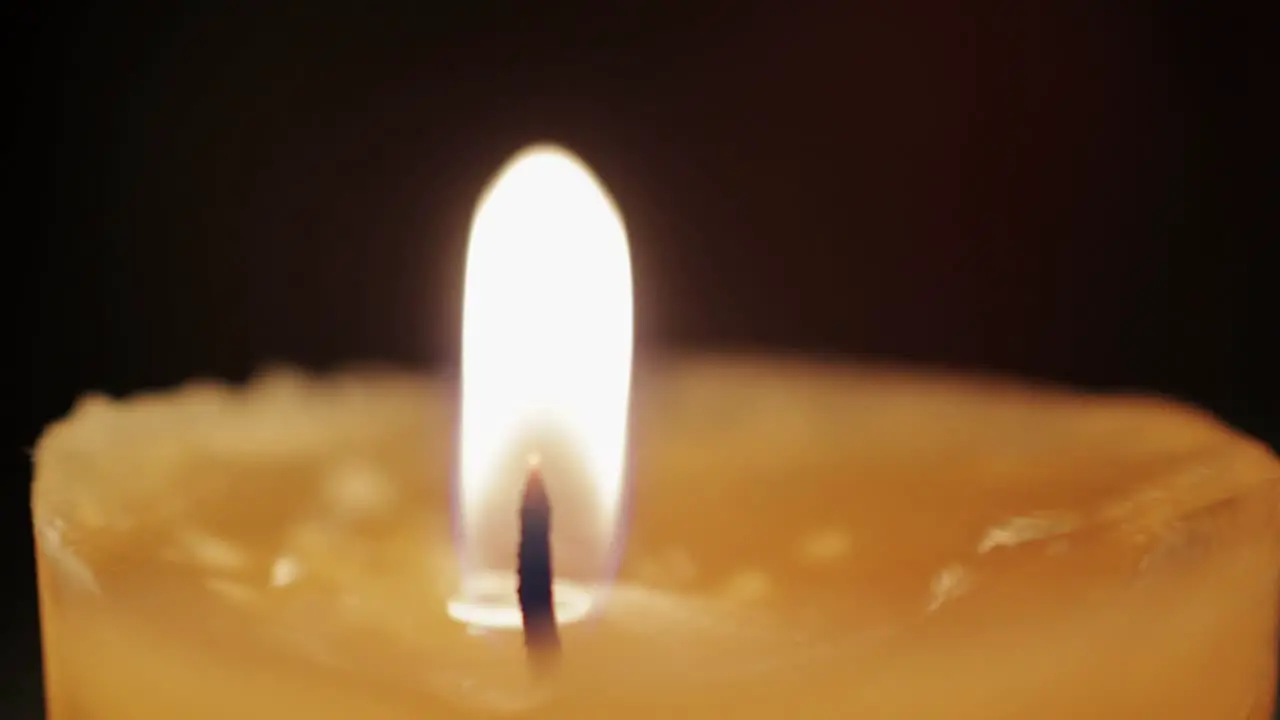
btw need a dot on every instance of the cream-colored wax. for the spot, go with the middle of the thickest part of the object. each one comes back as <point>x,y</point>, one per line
<point>802,542</point>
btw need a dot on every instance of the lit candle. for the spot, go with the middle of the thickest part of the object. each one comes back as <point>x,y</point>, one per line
<point>801,540</point>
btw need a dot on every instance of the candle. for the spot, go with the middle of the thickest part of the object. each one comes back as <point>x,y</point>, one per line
<point>801,540</point>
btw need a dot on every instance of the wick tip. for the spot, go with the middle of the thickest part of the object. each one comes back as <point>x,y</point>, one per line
<point>535,491</point>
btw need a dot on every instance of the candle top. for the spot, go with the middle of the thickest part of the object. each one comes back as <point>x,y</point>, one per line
<point>1122,448</point>
<point>781,512</point>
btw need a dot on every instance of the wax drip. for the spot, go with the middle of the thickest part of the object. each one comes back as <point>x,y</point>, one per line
<point>534,572</point>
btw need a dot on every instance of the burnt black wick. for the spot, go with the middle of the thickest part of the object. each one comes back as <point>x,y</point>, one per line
<point>534,575</point>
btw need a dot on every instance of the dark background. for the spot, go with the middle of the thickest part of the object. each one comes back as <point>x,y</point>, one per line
<point>1058,189</point>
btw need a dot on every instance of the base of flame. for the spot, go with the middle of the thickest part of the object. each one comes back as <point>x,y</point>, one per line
<point>488,601</point>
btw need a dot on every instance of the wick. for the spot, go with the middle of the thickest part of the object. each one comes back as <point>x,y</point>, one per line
<point>537,604</point>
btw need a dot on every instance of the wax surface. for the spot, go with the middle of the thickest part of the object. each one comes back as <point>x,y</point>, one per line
<point>802,541</point>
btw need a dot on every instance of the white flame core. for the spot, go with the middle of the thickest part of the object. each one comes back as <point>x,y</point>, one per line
<point>547,326</point>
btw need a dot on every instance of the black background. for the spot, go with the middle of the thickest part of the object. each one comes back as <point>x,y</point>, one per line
<point>1059,189</point>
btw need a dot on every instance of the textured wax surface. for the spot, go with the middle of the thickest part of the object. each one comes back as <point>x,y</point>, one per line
<point>803,541</point>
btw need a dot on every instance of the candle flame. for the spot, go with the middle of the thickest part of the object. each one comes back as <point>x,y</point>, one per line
<point>546,361</point>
